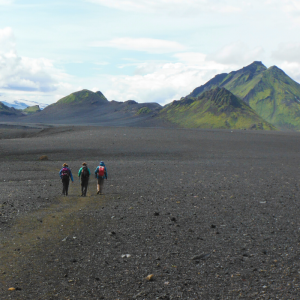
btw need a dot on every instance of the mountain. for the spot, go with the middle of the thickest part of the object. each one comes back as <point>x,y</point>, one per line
<point>214,108</point>
<point>23,104</point>
<point>86,107</point>
<point>9,112</point>
<point>269,91</point>
<point>31,109</point>
<point>81,97</point>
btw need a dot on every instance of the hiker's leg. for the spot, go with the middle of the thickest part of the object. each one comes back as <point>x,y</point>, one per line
<point>63,184</point>
<point>67,186</point>
<point>82,187</point>
<point>86,186</point>
<point>98,185</point>
<point>101,185</point>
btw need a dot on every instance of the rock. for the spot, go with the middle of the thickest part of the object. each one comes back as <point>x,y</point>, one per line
<point>202,256</point>
<point>173,219</point>
<point>156,214</point>
<point>44,157</point>
<point>112,233</point>
<point>213,226</point>
<point>150,277</point>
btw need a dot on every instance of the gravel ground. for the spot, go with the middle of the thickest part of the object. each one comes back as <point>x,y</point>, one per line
<point>209,214</point>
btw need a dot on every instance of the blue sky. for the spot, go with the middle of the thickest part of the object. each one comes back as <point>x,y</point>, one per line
<point>146,50</point>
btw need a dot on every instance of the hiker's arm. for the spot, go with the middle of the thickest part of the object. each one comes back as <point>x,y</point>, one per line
<point>71,176</point>
<point>79,172</point>
<point>60,173</point>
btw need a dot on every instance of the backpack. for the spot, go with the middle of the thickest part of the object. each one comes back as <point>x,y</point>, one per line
<point>65,173</point>
<point>101,171</point>
<point>84,173</point>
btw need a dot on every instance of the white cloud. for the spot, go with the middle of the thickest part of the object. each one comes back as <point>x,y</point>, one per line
<point>23,73</point>
<point>7,40</point>
<point>237,53</point>
<point>164,82</point>
<point>292,69</point>
<point>287,52</point>
<point>287,56</point>
<point>142,44</point>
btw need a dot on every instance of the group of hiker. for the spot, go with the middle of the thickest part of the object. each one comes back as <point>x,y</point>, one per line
<point>84,174</point>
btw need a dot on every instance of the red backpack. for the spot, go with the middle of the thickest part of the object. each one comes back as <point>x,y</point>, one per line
<point>101,171</point>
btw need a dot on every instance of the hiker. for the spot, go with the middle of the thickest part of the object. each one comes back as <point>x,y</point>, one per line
<point>100,174</point>
<point>65,175</point>
<point>84,173</point>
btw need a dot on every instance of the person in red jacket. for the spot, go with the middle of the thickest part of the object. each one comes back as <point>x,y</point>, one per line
<point>100,174</point>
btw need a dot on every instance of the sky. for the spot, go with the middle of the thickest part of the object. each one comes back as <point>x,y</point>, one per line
<point>142,50</point>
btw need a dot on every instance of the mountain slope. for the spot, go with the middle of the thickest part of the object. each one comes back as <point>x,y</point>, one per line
<point>9,111</point>
<point>215,108</point>
<point>87,107</point>
<point>270,92</point>
<point>80,97</point>
<point>31,109</point>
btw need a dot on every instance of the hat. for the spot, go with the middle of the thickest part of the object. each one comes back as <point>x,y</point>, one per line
<point>84,163</point>
<point>64,165</point>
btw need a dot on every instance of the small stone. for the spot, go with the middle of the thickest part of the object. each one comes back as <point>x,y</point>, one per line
<point>173,219</point>
<point>202,256</point>
<point>111,233</point>
<point>150,277</point>
<point>156,213</point>
<point>44,157</point>
<point>213,226</point>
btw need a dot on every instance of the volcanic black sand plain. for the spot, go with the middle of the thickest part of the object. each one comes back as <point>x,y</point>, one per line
<point>209,214</point>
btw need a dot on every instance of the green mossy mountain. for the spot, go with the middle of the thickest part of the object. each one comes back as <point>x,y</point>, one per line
<point>31,109</point>
<point>217,108</point>
<point>269,91</point>
<point>85,97</point>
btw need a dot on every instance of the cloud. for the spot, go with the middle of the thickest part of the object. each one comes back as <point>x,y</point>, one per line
<point>142,44</point>
<point>163,82</point>
<point>287,56</point>
<point>24,73</point>
<point>182,7</point>
<point>237,53</point>
<point>287,52</point>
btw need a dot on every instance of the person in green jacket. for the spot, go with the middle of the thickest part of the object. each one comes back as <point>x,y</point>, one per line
<point>84,173</point>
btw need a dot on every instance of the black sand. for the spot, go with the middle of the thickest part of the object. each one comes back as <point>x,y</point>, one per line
<point>211,214</point>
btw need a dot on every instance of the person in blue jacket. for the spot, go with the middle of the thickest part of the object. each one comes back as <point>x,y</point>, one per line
<point>100,174</point>
<point>65,175</point>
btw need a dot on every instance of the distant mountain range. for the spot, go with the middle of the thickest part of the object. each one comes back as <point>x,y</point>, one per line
<point>254,97</point>
<point>23,104</point>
